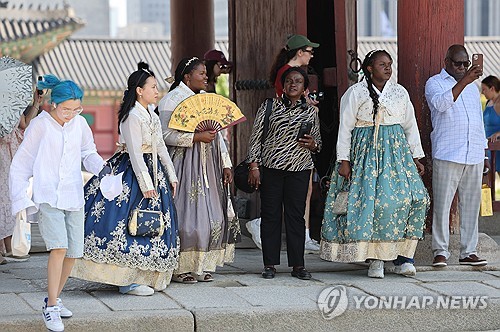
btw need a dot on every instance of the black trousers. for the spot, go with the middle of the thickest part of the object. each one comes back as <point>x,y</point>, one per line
<point>283,192</point>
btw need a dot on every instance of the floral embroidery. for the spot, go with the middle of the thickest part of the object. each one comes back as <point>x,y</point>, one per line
<point>97,210</point>
<point>124,195</point>
<point>215,232</point>
<point>196,190</point>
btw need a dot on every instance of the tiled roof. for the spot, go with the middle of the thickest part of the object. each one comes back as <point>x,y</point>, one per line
<point>23,19</point>
<point>105,64</point>
<point>13,29</point>
<point>489,46</point>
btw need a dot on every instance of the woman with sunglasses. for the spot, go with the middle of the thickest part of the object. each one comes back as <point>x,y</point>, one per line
<point>207,233</point>
<point>114,254</point>
<point>297,52</point>
<point>216,64</point>
<point>378,152</point>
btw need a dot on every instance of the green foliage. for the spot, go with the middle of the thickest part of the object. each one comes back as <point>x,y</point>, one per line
<point>222,86</point>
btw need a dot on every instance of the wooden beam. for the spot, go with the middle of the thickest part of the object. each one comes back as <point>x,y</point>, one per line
<point>192,28</point>
<point>426,28</point>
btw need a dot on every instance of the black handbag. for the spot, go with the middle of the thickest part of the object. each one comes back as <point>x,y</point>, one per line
<point>241,171</point>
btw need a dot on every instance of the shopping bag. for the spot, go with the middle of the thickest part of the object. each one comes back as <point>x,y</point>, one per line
<point>486,208</point>
<point>21,238</point>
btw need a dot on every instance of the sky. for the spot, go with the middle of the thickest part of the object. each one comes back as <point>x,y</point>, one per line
<point>121,6</point>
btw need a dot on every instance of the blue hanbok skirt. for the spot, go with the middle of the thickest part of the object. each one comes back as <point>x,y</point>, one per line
<point>387,203</point>
<point>111,254</point>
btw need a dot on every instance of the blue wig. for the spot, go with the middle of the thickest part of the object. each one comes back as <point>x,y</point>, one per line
<point>61,90</point>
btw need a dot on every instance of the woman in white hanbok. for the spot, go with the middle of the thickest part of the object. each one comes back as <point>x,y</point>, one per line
<point>112,255</point>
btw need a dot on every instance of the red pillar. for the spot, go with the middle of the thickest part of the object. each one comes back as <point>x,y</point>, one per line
<point>192,28</point>
<point>426,28</point>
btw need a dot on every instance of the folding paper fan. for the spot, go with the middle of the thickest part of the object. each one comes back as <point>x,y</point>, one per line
<point>205,111</point>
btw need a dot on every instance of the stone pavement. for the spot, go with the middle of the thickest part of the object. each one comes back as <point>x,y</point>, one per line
<point>240,300</point>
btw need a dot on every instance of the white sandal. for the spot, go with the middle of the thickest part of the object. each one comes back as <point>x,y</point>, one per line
<point>204,277</point>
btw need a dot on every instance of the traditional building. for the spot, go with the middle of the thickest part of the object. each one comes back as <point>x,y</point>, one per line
<point>29,29</point>
<point>101,67</point>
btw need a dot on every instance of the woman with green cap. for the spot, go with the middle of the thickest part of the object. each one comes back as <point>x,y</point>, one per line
<point>297,52</point>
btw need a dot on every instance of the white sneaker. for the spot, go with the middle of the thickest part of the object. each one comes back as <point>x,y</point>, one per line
<point>142,290</point>
<point>65,312</point>
<point>253,227</point>
<point>406,269</point>
<point>376,269</point>
<point>52,318</point>
<point>311,246</point>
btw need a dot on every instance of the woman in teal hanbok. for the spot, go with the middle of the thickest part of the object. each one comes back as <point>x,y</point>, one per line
<point>378,149</point>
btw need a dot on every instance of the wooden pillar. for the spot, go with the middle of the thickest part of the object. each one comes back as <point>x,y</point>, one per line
<point>192,28</point>
<point>426,28</point>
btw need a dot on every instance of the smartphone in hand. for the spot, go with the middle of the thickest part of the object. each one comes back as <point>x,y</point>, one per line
<point>305,128</point>
<point>477,59</point>
<point>40,92</point>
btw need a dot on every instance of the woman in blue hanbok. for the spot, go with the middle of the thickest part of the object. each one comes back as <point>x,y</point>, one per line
<point>490,87</point>
<point>111,255</point>
<point>378,149</point>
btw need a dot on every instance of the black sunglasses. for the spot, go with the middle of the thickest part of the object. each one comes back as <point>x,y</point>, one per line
<point>310,51</point>
<point>458,64</point>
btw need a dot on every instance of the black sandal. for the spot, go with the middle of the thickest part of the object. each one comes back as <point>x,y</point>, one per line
<point>269,272</point>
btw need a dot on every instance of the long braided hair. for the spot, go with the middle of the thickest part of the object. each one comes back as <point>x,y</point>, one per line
<point>368,61</point>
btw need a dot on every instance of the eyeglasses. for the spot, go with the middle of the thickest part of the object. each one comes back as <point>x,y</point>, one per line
<point>309,51</point>
<point>458,64</point>
<point>67,112</point>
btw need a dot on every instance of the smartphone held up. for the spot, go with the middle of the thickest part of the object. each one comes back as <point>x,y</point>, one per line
<point>40,92</point>
<point>477,59</point>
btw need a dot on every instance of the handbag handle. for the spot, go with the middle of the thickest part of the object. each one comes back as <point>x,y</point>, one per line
<point>155,159</point>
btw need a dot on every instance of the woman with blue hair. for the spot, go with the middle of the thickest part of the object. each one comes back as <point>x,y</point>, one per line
<point>54,146</point>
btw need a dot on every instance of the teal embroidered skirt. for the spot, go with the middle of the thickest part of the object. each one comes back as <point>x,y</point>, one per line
<point>387,202</point>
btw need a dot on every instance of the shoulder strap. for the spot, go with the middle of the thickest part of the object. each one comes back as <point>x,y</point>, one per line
<point>155,160</point>
<point>269,108</point>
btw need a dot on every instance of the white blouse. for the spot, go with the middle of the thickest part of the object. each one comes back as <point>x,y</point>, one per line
<point>52,154</point>
<point>137,132</point>
<point>395,107</point>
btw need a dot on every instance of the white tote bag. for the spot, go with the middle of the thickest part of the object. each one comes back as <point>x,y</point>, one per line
<point>21,238</point>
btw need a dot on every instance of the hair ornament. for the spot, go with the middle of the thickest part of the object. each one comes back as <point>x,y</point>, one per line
<point>188,63</point>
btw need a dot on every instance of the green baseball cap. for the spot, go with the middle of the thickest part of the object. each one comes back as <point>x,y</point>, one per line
<point>299,41</point>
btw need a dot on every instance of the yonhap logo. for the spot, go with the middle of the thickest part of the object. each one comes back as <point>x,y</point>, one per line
<point>332,301</point>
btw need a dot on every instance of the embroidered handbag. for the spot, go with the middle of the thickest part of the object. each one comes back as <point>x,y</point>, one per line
<point>339,205</point>
<point>144,222</point>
